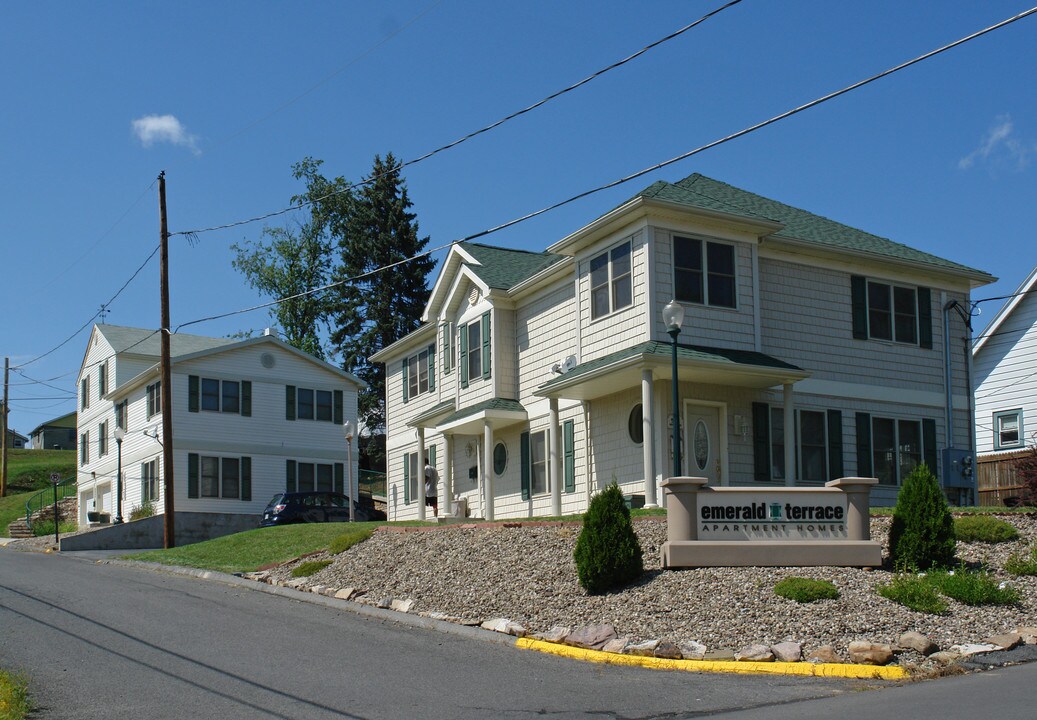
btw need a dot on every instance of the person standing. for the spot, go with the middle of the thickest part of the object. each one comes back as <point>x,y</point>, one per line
<point>431,485</point>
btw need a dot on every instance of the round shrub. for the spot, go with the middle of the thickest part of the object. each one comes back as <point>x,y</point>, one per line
<point>607,555</point>
<point>804,590</point>
<point>921,535</point>
<point>984,529</point>
<point>310,567</point>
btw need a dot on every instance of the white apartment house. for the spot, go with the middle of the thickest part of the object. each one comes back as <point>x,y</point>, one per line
<point>809,351</point>
<point>250,418</point>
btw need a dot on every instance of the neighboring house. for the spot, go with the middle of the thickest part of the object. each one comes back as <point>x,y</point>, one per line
<point>809,351</point>
<point>1004,360</point>
<point>56,434</point>
<point>250,418</point>
<point>16,439</point>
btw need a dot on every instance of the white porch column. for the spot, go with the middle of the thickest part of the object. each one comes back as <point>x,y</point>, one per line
<point>487,470</point>
<point>648,439</point>
<point>554,458</point>
<point>790,436</point>
<point>448,475</point>
<point>421,473</point>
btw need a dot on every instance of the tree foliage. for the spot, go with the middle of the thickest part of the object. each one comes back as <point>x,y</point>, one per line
<point>921,535</point>
<point>1026,473</point>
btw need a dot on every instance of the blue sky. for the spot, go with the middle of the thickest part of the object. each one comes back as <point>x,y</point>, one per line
<point>97,98</point>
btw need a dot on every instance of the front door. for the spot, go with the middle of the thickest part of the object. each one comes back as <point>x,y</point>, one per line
<point>702,442</point>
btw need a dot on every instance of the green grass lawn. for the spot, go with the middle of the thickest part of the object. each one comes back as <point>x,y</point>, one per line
<point>12,507</point>
<point>14,697</point>
<point>31,469</point>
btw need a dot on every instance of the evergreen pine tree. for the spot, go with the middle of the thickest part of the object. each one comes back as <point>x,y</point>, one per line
<point>608,554</point>
<point>921,535</point>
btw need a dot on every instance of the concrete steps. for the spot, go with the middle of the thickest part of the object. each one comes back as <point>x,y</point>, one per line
<point>18,529</point>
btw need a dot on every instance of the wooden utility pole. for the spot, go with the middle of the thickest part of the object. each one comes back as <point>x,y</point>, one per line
<point>3,442</point>
<point>166,389</point>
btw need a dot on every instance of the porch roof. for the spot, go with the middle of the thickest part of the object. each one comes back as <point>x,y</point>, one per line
<point>431,416</point>
<point>500,412</point>
<point>696,363</point>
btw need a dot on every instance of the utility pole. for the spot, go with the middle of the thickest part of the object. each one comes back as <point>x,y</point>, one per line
<point>166,389</point>
<point>3,442</point>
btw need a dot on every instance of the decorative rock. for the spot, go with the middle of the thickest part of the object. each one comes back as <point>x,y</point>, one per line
<point>317,589</point>
<point>824,654</point>
<point>1006,641</point>
<point>719,654</point>
<point>787,652</point>
<point>345,593</point>
<point>402,605</point>
<point>944,657</point>
<point>973,648</point>
<point>691,650</point>
<point>869,653</point>
<point>668,650</point>
<point>296,583</point>
<point>513,628</point>
<point>385,603</point>
<point>616,646</point>
<point>912,640</point>
<point>556,634</point>
<point>1028,634</point>
<point>755,653</point>
<point>642,649</point>
<point>496,624</point>
<point>470,622</point>
<point>592,637</point>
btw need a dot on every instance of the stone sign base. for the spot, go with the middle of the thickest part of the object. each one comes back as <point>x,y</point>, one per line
<point>771,553</point>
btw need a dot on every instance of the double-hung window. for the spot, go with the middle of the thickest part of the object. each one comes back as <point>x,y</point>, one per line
<point>120,414</point>
<point>535,478</point>
<point>84,448</point>
<point>413,474</point>
<point>703,272</point>
<point>149,481</point>
<point>419,373</point>
<point>311,404</point>
<point>890,448</point>
<point>102,380</point>
<point>212,395</point>
<point>228,478</point>
<point>154,396</point>
<point>475,341</point>
<point>817,439</point>
<point>894,313</point>
<point>84,393</point>
<point>1008,429</point>
<point>102,439</point>
<point>611,281</point>
<point>310,477</point>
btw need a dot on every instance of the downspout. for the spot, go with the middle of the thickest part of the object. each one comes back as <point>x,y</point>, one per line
<point>949,402</point>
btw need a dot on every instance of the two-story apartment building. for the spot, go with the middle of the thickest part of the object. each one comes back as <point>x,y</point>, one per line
<point>809,350</point>
<point>250,418</point>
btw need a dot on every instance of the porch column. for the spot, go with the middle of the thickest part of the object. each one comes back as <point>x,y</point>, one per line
<point>421,473</point>
<point>554,455</point>
<point>790,436</point>
<point>448,475</point>
<point>487,473</point>
<point>648,439</point>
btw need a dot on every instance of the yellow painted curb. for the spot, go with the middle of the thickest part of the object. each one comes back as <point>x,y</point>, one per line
<point>859,672</point>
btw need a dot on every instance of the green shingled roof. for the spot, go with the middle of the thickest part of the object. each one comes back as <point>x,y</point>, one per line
<point>703,192</point>
<point>138,341</point>
<point>494,404</point>
<point>504,268</point>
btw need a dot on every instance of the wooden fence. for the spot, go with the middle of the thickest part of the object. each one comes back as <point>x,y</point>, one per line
<point>996,479</point>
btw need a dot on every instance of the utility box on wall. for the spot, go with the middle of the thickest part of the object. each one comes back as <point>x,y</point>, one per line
<point>959,469</point>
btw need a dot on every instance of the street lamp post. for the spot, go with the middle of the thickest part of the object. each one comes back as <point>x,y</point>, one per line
<point>348,429</point>
<point>119,435</point>
<point>673,317</point>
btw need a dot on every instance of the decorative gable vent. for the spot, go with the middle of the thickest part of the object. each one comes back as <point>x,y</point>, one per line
<point>266,360</point>
<point>473,296</point>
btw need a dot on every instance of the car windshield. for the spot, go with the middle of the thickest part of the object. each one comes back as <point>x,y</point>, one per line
<point>275,500</point>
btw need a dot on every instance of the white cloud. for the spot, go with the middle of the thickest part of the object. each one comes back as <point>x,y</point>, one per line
<point>999,145</point>
<point>152,129</point>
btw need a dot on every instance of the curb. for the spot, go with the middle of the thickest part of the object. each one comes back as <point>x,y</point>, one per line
<point>802,669</point>
<point>826,670</point>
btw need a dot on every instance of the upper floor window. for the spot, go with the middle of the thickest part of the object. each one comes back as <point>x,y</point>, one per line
<point>120,414</point>
<point>475,349</point>
<point>703,272</point>
<point>154,395</point>
<point>102,380</point>
<point>102,439</point>
<point>611,281</point>
<point>419,373</point>
<point>310,404</point>
<point>84,448</point>
<point>896,313</point>
<point>229,396</point>
<point>1008,429</point>
<point>84,393</point>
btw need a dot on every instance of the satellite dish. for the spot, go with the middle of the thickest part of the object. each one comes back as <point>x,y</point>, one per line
<point>569,364</point>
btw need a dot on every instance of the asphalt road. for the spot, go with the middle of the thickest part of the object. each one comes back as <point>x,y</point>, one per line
<point>109,641</point>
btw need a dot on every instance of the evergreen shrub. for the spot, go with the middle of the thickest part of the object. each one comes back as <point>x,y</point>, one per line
<point>310,567</point>
<point>915,593</point>
<point>608,554</point>
<point>804,590</point>
<point>1022,563</point>
<point>921,535</point>
<point>144,510</point>
<point>974,588</point>
<point>984,529</point>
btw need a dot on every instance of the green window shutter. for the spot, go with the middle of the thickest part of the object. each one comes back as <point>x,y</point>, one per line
<point>406,381</point>
<point>463,362</point>
<point>486,345</point>
<point>761,442</point>
<point>246,398</point>
<point>569,455</point>
<point>929,443</point>
<point>445,344</point>
<point>859,300</point>
<point>246,478</point>
<point>289,476</point>
<point>192,393</point>
<point>431,455</point>
<point>835,444</point>
<point>192,475</point>
<point>524,452</point>
<point>864,445</point>
<point>338,417</point>
<point>431,367</point>
<point>289,402</point>
<point>925,318</point>
<point>340,479</point>
<point>406,478</point>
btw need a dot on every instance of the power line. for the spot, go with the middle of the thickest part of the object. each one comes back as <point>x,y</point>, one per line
<point>473,134</point>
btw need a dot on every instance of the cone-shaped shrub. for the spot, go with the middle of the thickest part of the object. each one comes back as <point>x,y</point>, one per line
<point>608,555</point>
<point>922,533</point>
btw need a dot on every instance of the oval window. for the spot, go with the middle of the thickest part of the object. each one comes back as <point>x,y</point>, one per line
<point>701,444</point>
<point>500,458</point>
<point>635,426</point>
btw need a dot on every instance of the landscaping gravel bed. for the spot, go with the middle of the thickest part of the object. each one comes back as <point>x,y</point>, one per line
<point>526,574</point>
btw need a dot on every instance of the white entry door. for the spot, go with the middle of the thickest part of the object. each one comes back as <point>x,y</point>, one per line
<point>702,442</point>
